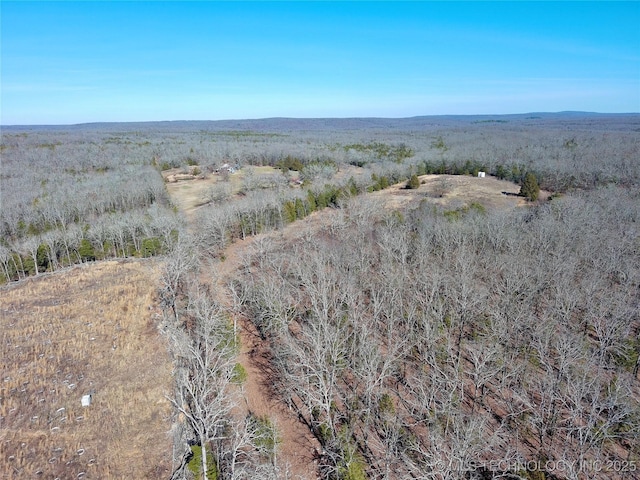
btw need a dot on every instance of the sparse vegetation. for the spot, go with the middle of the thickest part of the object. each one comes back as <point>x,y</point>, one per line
<point>414,182</point>
<point>86,330</point>
<point>239,374</point>
<point>196,462</point>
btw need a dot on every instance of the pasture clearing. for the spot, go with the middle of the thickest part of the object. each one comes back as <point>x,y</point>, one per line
<point>91,329</point>
<point>456,191</point>
<point>189,195</point>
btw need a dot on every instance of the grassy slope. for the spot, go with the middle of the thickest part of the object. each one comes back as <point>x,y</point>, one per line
<point>88,329</point>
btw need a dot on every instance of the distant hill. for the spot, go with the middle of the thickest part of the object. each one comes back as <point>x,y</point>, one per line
<point>283,124</point>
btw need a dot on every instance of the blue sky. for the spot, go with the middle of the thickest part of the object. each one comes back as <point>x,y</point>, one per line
<point>75,62</point>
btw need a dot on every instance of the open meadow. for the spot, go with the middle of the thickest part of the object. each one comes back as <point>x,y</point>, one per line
<point>89,330</point>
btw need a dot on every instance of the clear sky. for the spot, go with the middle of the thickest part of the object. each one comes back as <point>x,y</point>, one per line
<point>75,62</point>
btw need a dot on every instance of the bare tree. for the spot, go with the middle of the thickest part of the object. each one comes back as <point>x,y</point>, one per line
<point>205,393</point>
<point>218,192</point>
<point>31,245</point>
<point>485,366</point>
<point>180,263</point>
<point>5,258</point>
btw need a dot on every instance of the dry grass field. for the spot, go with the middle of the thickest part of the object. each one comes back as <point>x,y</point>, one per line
<point>189,195</point>
<point>456,191</point>
<point>90,329</point>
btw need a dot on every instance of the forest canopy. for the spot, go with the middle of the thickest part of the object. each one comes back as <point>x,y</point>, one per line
<point>408,333</point>
<point>98,186</point>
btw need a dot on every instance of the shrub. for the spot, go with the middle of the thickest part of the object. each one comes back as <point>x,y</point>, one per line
<point>311,201</point>
<point>151,246</point>
<point>195,464</point>
<point>266,436</point>
<point>458,213</point>
<point>438,143</point>
<point>42,258</point>
<point>290,163</point>
<point>324,433</point>
<point>290,212</point>
<point>85,250</point>
<point>501,172</point>
<point>413,183</point>
<point>351,466</point>
<point>352,186</point>
<point>239,374</point>
<point>379,183</point>
<point>354,470</point>
<point>28,266</point>
<point>301,211</point>
<point>385,404</point>
<point>478,207</point>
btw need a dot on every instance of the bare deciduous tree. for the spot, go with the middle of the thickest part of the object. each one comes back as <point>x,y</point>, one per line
<point>205,393</point>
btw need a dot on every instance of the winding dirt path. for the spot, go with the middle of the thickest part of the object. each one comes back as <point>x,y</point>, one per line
<point>298,447</point>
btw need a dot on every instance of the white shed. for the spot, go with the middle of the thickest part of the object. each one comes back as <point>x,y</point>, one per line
<point>86,400</point>
<point>481,174</point>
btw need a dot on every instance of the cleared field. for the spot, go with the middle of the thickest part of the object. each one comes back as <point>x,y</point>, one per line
<point>89,330</point>
<point>456,191</point>
<point>188,195</point>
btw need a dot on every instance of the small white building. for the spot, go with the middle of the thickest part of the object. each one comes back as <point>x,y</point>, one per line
<point>86,400</point>
<point>481,174</point>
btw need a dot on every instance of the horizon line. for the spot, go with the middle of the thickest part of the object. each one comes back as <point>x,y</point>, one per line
<point>117,122</point>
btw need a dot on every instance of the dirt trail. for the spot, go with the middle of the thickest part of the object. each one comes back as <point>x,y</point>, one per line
<point>298,446</point>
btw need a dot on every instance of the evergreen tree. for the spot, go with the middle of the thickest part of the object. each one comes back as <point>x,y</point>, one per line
<point>530,188</point>
<point>85,250</point>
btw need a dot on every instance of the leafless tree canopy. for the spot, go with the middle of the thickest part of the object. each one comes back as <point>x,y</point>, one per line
<point>414,343</point>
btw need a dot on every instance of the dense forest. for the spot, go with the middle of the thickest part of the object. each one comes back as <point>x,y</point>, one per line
<point>413,346</point>
<point>414,342</point>
<point>93,191</point>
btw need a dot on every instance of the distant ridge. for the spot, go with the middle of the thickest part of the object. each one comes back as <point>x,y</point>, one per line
<point>282,124</point>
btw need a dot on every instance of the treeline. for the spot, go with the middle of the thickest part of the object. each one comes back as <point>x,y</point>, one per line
<point>260,211</point>
<point>418,345</point>
<point>69,200</point>
<point>135,233</point>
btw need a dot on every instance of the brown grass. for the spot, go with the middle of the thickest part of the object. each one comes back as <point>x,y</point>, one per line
<point>88,329</point>
<point>189,195</point>
<point>456,191</point>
